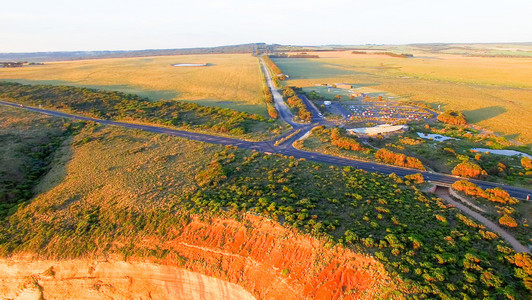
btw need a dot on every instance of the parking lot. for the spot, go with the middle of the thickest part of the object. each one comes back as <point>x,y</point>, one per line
<point>389,112</point>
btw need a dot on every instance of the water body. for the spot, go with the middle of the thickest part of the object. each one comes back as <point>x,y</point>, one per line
<point>189,65</point>
<point>502,152</point>
<point>435,137</point>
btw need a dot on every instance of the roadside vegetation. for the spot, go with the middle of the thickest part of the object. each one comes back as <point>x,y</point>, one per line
<point>336,141</point>
<point>268,98</point>
<point>131,193</point>
<point>497,205</point>
<point>128,107</point>
<point>296,104</point>
<point>277,74</point>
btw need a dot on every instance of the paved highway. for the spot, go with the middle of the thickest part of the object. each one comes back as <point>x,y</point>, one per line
<point>285,149</point>
<point>281,107</point>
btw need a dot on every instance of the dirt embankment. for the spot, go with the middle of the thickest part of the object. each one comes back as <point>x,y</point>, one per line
<point>258,255</point>
<point>84,279</point>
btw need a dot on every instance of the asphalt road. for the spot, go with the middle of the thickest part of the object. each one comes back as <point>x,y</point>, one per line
<point>284,112</point>
<point>285,149</point>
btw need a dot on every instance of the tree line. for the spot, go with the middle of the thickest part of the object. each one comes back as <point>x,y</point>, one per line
<point>294,102</point>
<point>398,159</point>
<point>268,98</point>
<point>278,74</point>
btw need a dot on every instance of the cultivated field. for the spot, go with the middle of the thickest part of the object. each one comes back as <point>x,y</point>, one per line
<point>495,93</point>
<point>229,80</point>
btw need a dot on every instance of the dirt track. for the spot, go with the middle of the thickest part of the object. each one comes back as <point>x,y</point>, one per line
<point>444,194</point>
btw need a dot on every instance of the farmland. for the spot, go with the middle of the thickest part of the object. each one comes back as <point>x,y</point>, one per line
<point>229,80</point>
<point>493,92</point>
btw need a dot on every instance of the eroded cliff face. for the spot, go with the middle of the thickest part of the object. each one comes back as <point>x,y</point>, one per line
<point>225,259</point>
<point>92,279</point>
<point>273,262</point>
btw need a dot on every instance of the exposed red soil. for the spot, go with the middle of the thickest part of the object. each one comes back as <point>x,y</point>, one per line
<point>229,259</point>
<point>273,262</point>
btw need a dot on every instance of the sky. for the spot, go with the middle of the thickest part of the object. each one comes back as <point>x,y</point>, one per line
<point>77,25</point>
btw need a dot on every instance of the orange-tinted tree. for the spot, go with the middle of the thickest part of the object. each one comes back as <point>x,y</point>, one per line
<point>526,163</point>
<point>293,101</point>
<point>508,221</point>
<point>416,178</point>
<point>398,159</point>
<point>453,117</point>
<point>470,170</point>
<point>469,189</point>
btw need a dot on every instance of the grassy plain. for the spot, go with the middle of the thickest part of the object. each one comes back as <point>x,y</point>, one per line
<point>229,80</point>
<point>119,191</point>
<point>495,93</point>
<point>28,142</point>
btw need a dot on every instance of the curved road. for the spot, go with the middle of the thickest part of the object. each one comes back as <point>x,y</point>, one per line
<point>286,149</point>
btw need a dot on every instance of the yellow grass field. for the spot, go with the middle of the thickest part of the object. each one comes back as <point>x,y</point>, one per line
<point>230,80</point>
<point>495,93</point>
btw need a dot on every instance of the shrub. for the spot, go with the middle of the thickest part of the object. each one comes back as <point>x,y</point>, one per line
<point>526,163</point>
<point>453,117</point>
<point>469,189</point>
<point>416,178</point>
<point>398,159</point>
<point>494,195</point>
<point>469,169</point>
<point>508,221</point>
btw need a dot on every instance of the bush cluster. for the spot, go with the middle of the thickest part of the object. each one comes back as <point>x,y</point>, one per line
<point>470,170</point>
<point>293,101</point>
<point>453,117</point>
<point>398,159</point>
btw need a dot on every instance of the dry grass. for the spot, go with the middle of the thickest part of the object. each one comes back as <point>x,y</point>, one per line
<point>495,93</point>
<point>128,168</point>
<point>229,77</point>
<point>22,135</point>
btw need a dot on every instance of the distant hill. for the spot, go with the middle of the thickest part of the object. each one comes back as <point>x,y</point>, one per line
<point>473,49</point>
<point>75,55</point>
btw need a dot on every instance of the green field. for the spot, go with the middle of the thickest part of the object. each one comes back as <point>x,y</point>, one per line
<point>227,77</point>
<point>132,108</point>
<point>495,93</point>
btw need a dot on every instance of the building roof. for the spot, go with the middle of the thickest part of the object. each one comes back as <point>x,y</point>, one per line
<point>385,128</point>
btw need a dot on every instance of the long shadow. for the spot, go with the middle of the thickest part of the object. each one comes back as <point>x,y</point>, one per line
<point>36,170</point>
<point>300,68</point>
<point>482,114</point>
